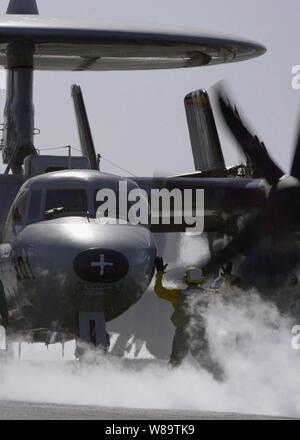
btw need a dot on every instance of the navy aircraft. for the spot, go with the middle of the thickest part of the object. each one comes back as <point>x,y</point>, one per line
<point>63,271</point>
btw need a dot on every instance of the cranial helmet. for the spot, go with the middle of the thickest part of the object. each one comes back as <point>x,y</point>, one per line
<point>193,275</point>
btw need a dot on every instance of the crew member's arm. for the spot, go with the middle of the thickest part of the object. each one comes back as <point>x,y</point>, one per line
<point>227,281</point>
<point>161,291</point>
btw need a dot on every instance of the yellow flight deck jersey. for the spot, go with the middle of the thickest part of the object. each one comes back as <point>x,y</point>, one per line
<point>179,300</point>
<point>163,292</point>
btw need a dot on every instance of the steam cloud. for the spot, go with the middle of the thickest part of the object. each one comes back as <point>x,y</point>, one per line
<point>247,336</point>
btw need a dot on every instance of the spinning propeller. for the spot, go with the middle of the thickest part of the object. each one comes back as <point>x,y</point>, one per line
<point>280,220</point>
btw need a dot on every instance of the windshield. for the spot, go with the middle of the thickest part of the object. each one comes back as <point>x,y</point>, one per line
<point>17,214</point>
<point>66,202</point>
<point>19,208</point>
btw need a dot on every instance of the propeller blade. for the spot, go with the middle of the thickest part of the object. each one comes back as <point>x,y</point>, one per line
<point>241,242</point>
<point>253,148</point>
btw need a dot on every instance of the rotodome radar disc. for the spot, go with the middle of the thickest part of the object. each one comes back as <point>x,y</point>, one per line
<point>72,44</point>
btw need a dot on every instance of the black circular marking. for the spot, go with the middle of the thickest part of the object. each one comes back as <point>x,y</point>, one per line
<point>101,265</point>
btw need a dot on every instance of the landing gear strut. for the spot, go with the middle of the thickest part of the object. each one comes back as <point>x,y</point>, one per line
<point>93,337</point>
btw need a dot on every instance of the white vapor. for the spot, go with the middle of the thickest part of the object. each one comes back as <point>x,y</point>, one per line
<point>193,249</point>
<point>247,336</point>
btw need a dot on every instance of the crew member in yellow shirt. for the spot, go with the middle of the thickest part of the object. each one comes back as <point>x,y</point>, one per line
<point>188,317</point>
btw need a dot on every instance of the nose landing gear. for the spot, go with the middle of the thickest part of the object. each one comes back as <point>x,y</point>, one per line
<point>93,337</point>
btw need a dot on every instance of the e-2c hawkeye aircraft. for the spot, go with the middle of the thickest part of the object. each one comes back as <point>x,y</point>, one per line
<point>63,271</point>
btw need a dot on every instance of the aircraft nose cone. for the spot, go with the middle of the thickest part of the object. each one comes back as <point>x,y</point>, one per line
<point>101,265</point>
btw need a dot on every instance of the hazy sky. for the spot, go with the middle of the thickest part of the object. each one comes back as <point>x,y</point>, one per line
<point>138,118</point>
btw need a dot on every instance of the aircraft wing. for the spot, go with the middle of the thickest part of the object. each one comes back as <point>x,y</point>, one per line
<point>223,198</point>
<point>70,44</point>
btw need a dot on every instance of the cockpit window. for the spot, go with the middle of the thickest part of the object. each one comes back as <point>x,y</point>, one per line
<point>16,217</point>
<point>19,208</point>
<point>66,202</point>
<point>34,212</point>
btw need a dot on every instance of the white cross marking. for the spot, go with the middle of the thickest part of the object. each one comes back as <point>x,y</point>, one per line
<point>102,264</point>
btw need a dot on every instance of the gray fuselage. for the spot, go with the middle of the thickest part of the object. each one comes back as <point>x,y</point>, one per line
<point>56,264</point>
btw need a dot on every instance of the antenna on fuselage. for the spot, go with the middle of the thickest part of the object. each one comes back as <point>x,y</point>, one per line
<point>21,7</point>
